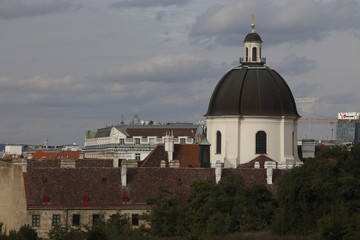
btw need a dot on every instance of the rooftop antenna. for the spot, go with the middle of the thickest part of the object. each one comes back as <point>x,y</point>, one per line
<point>253,23</point>
<point>122,119</point>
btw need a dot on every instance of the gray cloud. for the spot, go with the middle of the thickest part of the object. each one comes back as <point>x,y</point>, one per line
<point>148,3</point>
<point>166,69</point>
<point>295,65</point>
<point>351,97</point>
<point>160,15</point>
<point>303,90</point>
<point>10,9</point>
<point>292,21</point>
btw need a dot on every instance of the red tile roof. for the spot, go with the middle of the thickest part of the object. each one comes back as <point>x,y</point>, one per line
<point>64,187</point>
<point>40,154</point>
<point>68,154</point>
<point>187,154</point>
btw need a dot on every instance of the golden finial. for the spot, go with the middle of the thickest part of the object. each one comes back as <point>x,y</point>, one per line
<point>253,23</point>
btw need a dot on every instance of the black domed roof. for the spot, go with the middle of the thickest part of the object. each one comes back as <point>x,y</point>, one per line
<point>253,37</point>
<point>252,90</point>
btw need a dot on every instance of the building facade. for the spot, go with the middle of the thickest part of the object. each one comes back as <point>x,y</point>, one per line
<point>134,141</point>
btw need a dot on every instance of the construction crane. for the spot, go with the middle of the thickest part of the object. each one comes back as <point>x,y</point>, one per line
<point>331,121</point>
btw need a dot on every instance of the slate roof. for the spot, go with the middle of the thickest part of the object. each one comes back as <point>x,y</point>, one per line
<point>150,130</point>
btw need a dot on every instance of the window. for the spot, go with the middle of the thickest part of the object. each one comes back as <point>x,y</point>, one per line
<point>137,140</point>
<point>218,142</point>
<point>35,221</point>
<point>137,156</point>
<point>246,54</point>
<point>254,51</point>
<point>135,219</point>
<point>122,141</point>
<point>55,220</point>
<point>76,219</point>
<point>260,142</point>
<point>182,140</point>
<point>95,218</point>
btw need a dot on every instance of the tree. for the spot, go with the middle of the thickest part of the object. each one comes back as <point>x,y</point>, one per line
<point>168,216</point>
<point>322,192</point>
<point>25,233</point>
<point>66,233</point>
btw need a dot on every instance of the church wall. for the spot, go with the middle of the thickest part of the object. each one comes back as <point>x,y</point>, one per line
<point>249,128</point>
<point>239,139</point>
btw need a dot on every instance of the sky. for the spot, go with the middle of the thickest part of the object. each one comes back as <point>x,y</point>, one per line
<point>68,66</point>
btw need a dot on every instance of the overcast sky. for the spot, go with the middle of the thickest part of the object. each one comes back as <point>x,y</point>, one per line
<point>67,66</point>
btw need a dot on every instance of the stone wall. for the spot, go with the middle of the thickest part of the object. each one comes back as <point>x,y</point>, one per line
<point>12,196</point>
<point>86,217</point>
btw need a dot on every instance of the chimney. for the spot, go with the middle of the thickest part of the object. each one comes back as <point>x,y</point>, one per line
<point>218,169</point>
<point>123,174</point>
<point>169,145</point>
<point>269,171</point>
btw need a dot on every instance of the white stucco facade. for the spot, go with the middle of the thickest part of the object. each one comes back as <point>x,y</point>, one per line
<point>238,138</point>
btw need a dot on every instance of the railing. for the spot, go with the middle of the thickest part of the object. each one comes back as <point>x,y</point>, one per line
<point>249,60</point>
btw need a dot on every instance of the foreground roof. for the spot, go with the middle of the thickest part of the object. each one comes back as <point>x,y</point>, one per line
<point>102,188</point>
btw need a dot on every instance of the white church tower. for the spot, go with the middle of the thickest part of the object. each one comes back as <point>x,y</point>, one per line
<point>252,113</point>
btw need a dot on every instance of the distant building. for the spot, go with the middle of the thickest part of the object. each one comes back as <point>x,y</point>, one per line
<point>135,141</point>
<point>13,150</point>
<point>348,127</point>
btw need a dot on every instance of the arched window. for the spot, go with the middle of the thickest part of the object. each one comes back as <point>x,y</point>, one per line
<point>260,142</point>
<point>218,142</point>
<point>246,54</point>
<point>254,51</point>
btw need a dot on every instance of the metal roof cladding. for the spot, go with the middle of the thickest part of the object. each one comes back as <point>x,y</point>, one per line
<point>252,90</point>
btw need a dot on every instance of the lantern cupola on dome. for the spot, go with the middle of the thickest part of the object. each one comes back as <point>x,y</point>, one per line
<point>252,47</point>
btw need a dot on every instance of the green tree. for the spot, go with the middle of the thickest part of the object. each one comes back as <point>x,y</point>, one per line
<point>66,233</point>
<point>25,233</point>
<point>169,215</point>
<point>322,193</point>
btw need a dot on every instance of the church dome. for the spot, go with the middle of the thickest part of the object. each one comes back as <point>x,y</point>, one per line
<point>252,90</point>
<point>253,37</point>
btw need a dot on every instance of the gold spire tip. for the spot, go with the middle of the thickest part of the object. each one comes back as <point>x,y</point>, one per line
<point>253,22</point>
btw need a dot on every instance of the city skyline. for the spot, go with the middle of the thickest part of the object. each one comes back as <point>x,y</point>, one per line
<point>73,65</point>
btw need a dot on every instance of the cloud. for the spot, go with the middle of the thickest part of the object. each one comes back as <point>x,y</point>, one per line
<point>166,69</point>
<point>292,21</point>
<point>10,9</point>
<point>347,98</point>
<point>303,90</point>
<point>295,65</point>
<point>148,3</point>
<point>160,15</point>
